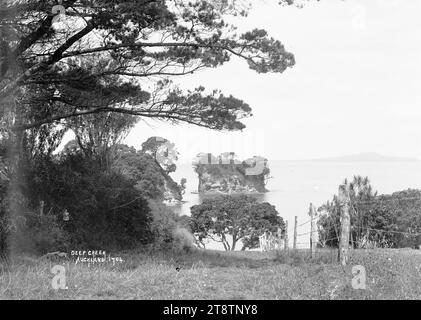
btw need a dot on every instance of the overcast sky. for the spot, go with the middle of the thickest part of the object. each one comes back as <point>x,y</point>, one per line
<point>355,86</point>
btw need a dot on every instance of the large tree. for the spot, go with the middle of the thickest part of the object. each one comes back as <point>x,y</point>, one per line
<point>162,151</point>
<point>120,55</point>
<point>239,218</point>
<point>102,62</point>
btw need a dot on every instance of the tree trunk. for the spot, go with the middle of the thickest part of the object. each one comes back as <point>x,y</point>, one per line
<point>234,242</point>
<point>15,208</point>
<point>225,243</point>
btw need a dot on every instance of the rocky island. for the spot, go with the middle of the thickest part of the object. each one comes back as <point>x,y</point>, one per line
<point>225,174</point>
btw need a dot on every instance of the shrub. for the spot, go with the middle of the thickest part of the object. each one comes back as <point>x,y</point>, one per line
<point>164,222</point>
<point>168,229</point>
<point>4,227</point>
<point>43,234</point>
<point>183,239</point>
<point>106,210</point>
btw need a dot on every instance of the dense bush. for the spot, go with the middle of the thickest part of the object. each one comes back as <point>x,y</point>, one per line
<point>4,219</point>
<point>150,178</point>
<point>4,232</point>
<point>169,230</point>
<point>40,234</point>
<point>113,200</point>
<point>163,225</point>
<point>105,209</point>
<point>376,220</point>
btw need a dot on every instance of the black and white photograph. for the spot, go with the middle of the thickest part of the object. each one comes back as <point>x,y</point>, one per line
<point>190,151</point>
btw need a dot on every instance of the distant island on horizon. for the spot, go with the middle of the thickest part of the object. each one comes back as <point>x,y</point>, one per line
<point>357,157</point>
<point>360,157</point>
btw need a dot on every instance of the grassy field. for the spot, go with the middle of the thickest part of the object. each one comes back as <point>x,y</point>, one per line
<point>391,274</point>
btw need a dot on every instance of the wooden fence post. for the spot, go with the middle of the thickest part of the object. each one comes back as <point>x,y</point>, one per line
<point>343,253</point>
<point>286,236</point>
<point>294,246</point>
<point>312,232</point>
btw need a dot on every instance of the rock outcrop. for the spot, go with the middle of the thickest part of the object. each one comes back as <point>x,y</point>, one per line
<point>224,174</point>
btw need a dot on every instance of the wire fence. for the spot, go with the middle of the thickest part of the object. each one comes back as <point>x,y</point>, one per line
<point>321,242</point>
<point>326,248</point>
<point>326,240</point>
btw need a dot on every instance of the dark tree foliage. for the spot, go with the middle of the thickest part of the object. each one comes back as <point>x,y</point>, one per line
<point>398,214</point>
<point>105,208</point>
<point>4,221</point>
<point>96,70</point>
<point>241,218</point>
<point>120,56</point>
<point>386,220</point>
<point>162,151</point>
<point>361,196</point>
<point>108,202</point>
<point>98,134</point>
<point>147,174</point>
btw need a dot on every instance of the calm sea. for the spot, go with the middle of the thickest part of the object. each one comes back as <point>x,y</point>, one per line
<point>296,184</point>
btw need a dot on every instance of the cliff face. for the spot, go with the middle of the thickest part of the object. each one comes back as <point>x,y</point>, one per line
<point>227,175</point>
<point>171,190</point>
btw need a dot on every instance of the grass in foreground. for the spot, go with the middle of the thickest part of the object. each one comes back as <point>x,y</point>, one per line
<point>391,274</point>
